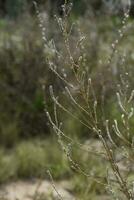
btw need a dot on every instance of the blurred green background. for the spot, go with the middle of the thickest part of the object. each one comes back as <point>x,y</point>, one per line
<point>26,137</point>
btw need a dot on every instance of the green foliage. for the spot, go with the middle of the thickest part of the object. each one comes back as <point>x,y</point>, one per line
<point>30,160</point>
<point>7,166</point>
<point>9,134</point>
<point>35,158</point>
<point>21,77</point>
<point>15,7</point>
<point>56,160</point>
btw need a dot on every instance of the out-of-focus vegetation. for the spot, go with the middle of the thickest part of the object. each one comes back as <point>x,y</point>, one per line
<point>15,8</point>
<point>28,147</point>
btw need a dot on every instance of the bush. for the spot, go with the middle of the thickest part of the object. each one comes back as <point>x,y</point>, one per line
<point>21,78</point>
<point>35,158</point>
<point>30,160</point>
<point>88,98</point>
<point>7,167</point>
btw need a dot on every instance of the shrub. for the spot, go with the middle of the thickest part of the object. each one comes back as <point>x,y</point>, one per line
<point>30,160</point>
<point>33,158</point>
<point>7,166</point>
<point>80,86</point>
<point>21,77</point>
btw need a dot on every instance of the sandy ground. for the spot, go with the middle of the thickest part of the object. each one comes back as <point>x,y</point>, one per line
<point>26,190</point>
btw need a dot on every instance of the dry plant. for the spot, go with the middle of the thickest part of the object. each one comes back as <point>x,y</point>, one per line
<point>116,135</point>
